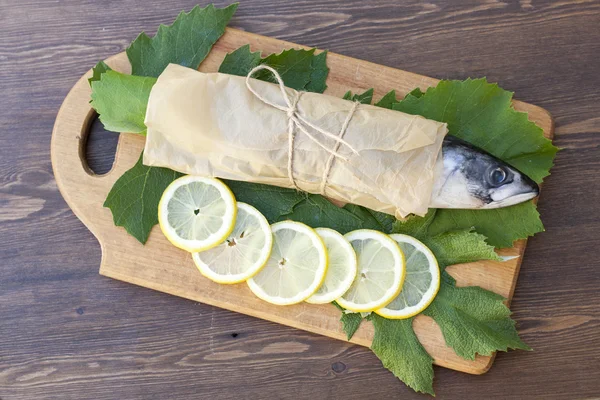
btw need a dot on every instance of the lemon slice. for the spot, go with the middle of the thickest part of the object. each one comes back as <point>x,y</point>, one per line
<point>422,280</point>
<point>243,253</point>
<point>342,267</point>
<point>196,213</point>
<point>381,271</point>
<point>296,267</point>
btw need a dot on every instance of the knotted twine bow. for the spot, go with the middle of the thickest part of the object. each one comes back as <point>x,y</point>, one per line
<point>296,121</point>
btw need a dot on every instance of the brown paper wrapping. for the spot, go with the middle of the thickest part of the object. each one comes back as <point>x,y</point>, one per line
<point>211,124</point>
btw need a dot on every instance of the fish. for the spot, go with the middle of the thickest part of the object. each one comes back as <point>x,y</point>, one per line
<point>467,177</point>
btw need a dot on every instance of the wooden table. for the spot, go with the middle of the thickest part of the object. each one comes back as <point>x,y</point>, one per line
<point>68,333</point>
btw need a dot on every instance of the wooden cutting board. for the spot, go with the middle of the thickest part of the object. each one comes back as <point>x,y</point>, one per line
<point>159,265</point>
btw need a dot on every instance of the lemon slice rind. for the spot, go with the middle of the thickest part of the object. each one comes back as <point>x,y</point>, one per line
<point>215,238</point>
<point>333,288</point>
<point>274,266</point>
<point>393,288</point>
<point>429,294</point>
<point>208,269</point>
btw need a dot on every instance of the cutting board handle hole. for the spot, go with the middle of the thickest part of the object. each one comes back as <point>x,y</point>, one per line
<point>100,147</point>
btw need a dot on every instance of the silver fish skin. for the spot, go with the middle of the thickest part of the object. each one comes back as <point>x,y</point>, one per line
<point>470,178</point>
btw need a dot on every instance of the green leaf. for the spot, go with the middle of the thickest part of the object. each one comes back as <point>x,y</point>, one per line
<point>186,42</point>
<point>449,247</point>
<point>400,351</point>
<point>240,61</point>
<point>415,93</point>
<point>482,114</point>
<point>98,70</point>
<point>273,202</point>
<point>278,204</point>
<point>385,220</point>
<point>501,226</point>
<point>121,100</point>
<point>363,98</point>
<point>299,69</point>
<point>133,199</point>
<point>414,225</point>
<point>388,100</point>
<point>459,247</point>
<point>474,321</point>
<point>318,74</point>
<point>372,219</point>
<point>317,211</point>
<point>350,321</point>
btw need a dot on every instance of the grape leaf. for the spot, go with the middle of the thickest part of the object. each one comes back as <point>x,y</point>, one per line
<point>121,100</point>
<point>350,321</point>
<point>363,98</point>
<point>457,247</point>
<point>450,247</point>
<point>317,211</point>
<point>134,198</point>
<point>318,73</point>
<point>388,100</point>
<point>273,202</point>
<point>299,69</point>
<point>186,42</point>
<point>239,62</point>
<point>372,219</point>
<point>97,71</point>
<point>278,204</point>
<point>414,225</point>
<point>400,351</point>
<point>501,226</point>
<point>474,320</point>
<point>482,114</point>
<point>415,93</point>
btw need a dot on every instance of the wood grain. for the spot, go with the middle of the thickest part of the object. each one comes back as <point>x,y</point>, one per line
<point>67,333</point>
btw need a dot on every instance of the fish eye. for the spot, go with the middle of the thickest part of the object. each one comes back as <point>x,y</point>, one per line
<point>497,176</point>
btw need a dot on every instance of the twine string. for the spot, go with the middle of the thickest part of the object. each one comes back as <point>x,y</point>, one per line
<point>335,148</point>
<point>296,121</point>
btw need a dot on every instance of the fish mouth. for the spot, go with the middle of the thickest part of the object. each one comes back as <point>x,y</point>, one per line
<point>511,201</point>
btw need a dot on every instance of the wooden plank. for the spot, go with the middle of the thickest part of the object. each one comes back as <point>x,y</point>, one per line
<point>160,266</point>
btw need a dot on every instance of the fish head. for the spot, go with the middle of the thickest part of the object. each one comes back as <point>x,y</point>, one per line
<point>474,179</point>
